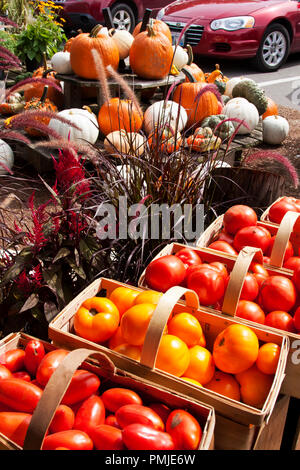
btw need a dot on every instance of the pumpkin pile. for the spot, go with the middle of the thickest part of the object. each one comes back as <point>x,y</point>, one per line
<point>90,416</point>
<point>237,366</point>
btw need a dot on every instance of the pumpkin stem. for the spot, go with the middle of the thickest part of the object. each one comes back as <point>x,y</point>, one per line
<point>150,30</point>
<point>87,108</point>
<point>111,31</point>
<point>189,75</point>
<point>217,67</point>
<point>190,54</point>
<point>95,31</point>
<point>43,97</point>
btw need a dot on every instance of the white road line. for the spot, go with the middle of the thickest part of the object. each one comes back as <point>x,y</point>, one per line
<point>280,80</point>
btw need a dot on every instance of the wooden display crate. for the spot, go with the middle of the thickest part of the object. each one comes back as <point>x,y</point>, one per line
<point>246,423</point>
<point>239,266</point>
<point>111,376</point>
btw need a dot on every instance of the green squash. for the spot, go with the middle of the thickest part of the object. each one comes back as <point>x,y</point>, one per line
<point>252,92</point>
<point>224,131</point>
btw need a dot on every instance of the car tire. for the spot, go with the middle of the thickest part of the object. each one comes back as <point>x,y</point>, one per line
<point>274,48</point>
<point>123,17</point>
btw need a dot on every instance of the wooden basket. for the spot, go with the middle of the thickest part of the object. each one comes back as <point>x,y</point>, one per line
<point>98,363</point>
<point>238,416</point>
<point>238,265</point>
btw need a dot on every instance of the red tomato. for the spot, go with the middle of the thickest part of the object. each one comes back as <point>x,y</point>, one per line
<point>162,410</point>
<point>292,263</point>
<point>165,272</point>
<point>277,293</point>
<point>111,420</point>
<point>208,284</point>
<point>83,385</point>
<point>63,420</point>
<point>250,288</point>
<point>220,267</point>
<point>71,439</point>
<point>223,246</point>
<point>114,398</point>
<point>279,209</point>
<point>266,259</point>
<point>257,268</point>
<point>260,278</point>
<point>189,257</point>
<point>19,395</point>
<point>22,374</point>
<point>48,364</point>
<point>252,236</point>
<point>14,425</point>
<point>288,252</point>
<point>13,359</point>
<point>281,320</point>
<point>139,437</point>
<point>297,319</point>
<point>296,277</point>
<point>90,414</point>
<point>34,353</point>
<point>5,373</point>
<point>225,237</point>
<point>129,414</point>
<point>107,437</point>
<point>184,430</point>
<point>250,311</point>
<point>237,217</point>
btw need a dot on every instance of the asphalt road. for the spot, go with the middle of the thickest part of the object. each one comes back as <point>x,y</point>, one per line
<point>283,86</point>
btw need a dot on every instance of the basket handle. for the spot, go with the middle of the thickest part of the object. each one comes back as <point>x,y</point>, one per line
<point>237,278</point>
<point>159,320</point>
<point>54,392</point>
<point>284,232</point>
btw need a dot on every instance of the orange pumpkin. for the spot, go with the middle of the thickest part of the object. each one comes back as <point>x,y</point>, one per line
<point>235,349</point>
<point>255,386</point>
<point>151,55</point>
<point>272,109</point>
<point>81,53</point>
<point>186,93</point>
<point>117,114</point>
<point>67,46</point>
<point>158,26</point>
<point>225,384</point>
<point>35,90</point>
<point>41,104</point>
<point>193,68</point>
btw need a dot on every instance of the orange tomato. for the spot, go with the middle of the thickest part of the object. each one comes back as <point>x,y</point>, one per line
<point>255,386</point>
<point>134,352</point>
<point>123,298</point>
<point>148,297</point>
<point>173,355</point>
<point>186,327</point>
<point>224,384</point>
<point>97,319</point>
<point>134,323</point>
<point>202,341</point>
<point>267,359</point>
<point>192,381</point>
<point>235,349</point>
<point>116,339</point>
<point>201,366</point>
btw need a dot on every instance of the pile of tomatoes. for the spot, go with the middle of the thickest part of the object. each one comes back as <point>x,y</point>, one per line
<point>272,300</point>
<point>182,351</point>
<point>88,417</point>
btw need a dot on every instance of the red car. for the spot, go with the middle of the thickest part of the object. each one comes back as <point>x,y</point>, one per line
<point>83,14</point>
<point>266,31</point>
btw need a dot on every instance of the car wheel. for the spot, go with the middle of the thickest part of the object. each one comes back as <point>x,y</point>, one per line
<point>123,17</point>
<point>274,48</point>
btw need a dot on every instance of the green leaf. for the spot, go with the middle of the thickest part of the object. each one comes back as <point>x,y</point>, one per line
<point>21,260</point>
<point>62,253</point>
<point>77,269</point>
<point>30,303</point>
<point>53,278</point>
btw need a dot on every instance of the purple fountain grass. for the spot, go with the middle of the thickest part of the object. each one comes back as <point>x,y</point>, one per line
<point>270,155</point>
<point>13,135</point>
<point>88,151</point>
<point>126,88</point>
<point>101,75</point>
<point>25,84</point>
<point>7,56</point>
<point>213,89</point>
<point>174,84</point>
<point>8,22</point>
<point>25,122</point>
<point>32,114</point>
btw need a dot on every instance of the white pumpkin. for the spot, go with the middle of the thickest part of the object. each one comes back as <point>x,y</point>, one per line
<point>61,63</point>
<point>231,84</point>
<point>180,57</point>
<point>275,129</point>
<point>126,143</point>
<point>242,109</point>
<point>123,40</point>
<point>167,113</point>
<point>6,157</point>
<point>83,118</point>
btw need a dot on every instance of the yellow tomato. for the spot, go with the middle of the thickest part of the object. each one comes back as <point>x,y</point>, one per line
<point>173,355</point>
<point>123,298</point>
<point>134,323</point>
